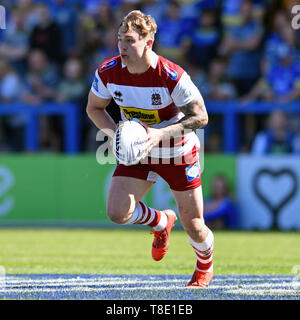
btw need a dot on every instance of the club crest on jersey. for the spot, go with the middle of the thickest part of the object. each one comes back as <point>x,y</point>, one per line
<point>156,99</point>
<point>107,65</point>
<point>170,72</point>
<point>193,172</point>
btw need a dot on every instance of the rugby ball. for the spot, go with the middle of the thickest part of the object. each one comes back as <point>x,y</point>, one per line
<point>125,147</point>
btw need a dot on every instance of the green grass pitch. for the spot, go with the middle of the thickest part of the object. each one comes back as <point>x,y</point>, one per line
<point>117,251</point>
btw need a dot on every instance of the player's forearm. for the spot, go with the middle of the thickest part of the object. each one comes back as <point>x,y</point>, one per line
<point>188,123</point>
<point>195,118</point>
<point>102,120</point>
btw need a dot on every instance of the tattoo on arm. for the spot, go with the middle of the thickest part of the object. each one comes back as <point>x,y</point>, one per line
<point>195,115</point>
<point>195,118</point>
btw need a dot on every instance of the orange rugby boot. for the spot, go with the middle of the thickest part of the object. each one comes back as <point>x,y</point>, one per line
<point>200,279</point>
<point>161,238</point>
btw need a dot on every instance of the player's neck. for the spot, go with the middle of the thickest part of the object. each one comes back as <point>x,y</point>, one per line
<point>142,65</point>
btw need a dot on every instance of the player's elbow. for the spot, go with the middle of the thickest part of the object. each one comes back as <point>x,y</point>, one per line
<point>90,110</point>
<point>203,120</point>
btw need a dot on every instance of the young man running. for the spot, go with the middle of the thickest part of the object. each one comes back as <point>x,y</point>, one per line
<point>162,96</point>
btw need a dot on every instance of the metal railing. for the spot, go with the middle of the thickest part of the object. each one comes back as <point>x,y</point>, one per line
<point>230,110</point>
<point>68,111</point>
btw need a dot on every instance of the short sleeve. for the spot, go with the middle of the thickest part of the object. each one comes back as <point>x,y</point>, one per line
<point>99,89</point>
<point>9,87</point>
<point>260,144</point>
<point>185,91</point>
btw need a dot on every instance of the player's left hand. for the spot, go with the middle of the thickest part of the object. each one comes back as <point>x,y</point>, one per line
<point>153,139</point>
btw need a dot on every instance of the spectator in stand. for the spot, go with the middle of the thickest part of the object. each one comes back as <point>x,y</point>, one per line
<point>107,50</point>
<point>29,12</point>
<point>72,87</point>
<point>154,8</point>
<point>218,86</point>
<point>277,138</point>
<point>103,39</point>
<point>242,47</point>
<point>281,83</point>
<point>199,77</point>
<point>172,30</point>
<point>9,82</point>
<point>92,32</point>
<point>220,211</point>
<point>41,79</point>
<point>65,16</point>
<point>288,5</point>
<point>260,9</point>
<point>46,35</point>
<point>14,46</point>
<point>104,17</point>
<point>230,14</point>
<point>125,6</point>
<point>91,6</point>
<point>86,38</point>
<point>203,40</point>
<point>11,127</point>
<point>40,87</point>
<point>281,35</point>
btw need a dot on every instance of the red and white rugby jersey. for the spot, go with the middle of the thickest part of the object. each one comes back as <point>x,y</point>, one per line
<point>154,97</point>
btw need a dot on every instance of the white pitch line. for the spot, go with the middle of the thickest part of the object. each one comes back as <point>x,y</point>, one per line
<point>88,289</point>
<point>83,290</point>
<point>78,281</point>
<point>262,292</point>
<point>267,285</point>
<point>135,286</point>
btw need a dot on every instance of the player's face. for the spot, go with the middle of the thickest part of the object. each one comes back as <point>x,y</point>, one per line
<point>131,46</point>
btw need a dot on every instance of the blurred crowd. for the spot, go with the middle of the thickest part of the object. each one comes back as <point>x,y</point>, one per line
<point>242,50</point>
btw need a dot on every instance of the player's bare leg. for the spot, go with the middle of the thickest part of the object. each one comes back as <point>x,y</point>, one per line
<point>124,206</point>
<point>123,197</point>
<point>190,207</point>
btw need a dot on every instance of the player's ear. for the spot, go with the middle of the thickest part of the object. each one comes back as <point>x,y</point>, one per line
<point>149,43</point>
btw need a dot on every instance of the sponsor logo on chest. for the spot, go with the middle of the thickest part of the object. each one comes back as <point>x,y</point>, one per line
<point>147,116</point>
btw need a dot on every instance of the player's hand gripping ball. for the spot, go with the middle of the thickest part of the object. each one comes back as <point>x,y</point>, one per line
<point>126,146</point>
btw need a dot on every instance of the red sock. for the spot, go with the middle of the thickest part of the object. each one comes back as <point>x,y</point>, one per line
<point>147,216</point>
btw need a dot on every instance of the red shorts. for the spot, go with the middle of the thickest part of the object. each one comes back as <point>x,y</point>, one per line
<point>180,177</point>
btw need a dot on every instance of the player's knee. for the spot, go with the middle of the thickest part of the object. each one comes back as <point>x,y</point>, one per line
<point>196,230</point>
<point>197,235</point>
<point>116,218</point>
<point>116,215</point>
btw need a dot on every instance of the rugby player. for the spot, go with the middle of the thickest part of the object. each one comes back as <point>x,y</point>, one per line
<point>162,96</point>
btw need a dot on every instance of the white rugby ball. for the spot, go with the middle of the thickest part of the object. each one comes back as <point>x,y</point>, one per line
<point>125,146</point>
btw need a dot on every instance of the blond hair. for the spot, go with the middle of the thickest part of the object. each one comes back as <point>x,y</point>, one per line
<point>143,24</point>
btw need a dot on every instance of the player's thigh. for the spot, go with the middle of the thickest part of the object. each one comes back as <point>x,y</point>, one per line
<point>124,195</point>
<point>190,209</point>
